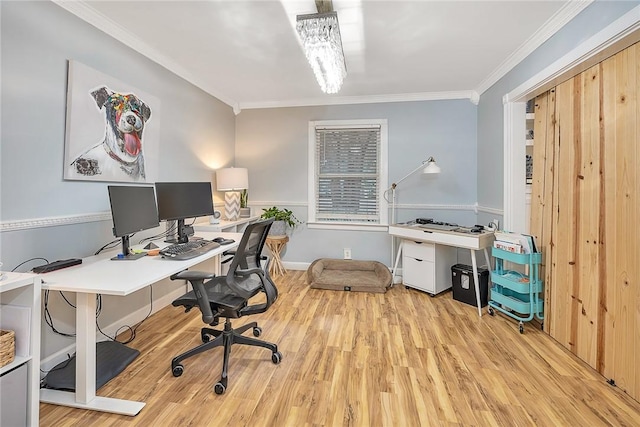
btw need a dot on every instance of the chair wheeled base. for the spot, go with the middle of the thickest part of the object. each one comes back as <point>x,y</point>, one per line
<point>225,338</point>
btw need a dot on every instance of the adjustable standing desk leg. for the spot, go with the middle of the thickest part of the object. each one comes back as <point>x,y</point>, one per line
<point>85,348</point>
<point>85,394</point>
<point>476,280</point>
<point>395,266</point>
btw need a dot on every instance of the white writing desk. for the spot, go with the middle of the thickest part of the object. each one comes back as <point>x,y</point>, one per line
<point>99,275</point>
<point>474,242</point>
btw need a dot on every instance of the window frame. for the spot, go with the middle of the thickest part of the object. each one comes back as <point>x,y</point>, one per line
<point>383,176</point>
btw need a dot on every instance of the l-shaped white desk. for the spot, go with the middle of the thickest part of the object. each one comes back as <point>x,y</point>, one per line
<point>472,241</point>
<point>99,275</point>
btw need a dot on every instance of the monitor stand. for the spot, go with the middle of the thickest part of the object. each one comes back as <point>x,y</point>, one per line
<point>126,254</point>
<point>130,257</point>
<point>182,233</point>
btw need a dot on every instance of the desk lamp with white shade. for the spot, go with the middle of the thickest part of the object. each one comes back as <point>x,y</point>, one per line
<point>232,181</point>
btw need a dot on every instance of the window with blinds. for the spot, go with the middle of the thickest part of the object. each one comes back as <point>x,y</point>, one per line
<point>348,173</point>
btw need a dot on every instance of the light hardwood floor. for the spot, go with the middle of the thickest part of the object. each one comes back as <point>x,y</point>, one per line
<point>356,359</point>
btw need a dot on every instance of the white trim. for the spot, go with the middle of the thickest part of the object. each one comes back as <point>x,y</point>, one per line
<point>616,36</point>
<point>84,11</point>
<point>370,99</point>
<point>54,221</point>
<point>493,211</point>
<point>514,166</point>
<point>383,159</point>
<point>347,227</point>
<point>423,206</point>
<point>544,33</point>
<point>298,266</point>
<point>259,203</point>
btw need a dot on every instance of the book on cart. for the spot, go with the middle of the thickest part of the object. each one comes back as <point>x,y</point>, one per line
<point>516,248</point>
<point>515,242</point>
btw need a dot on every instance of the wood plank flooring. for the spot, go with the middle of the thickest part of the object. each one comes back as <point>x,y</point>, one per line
<point>356,359</point>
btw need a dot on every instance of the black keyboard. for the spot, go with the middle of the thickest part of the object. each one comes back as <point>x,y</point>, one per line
<point>182,251</point>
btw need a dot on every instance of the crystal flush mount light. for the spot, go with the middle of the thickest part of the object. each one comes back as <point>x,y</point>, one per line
<point>320,35</point>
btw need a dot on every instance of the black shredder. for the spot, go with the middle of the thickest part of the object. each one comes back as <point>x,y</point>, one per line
<point>463,284</point>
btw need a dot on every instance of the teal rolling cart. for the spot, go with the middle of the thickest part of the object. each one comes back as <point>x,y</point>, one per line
<point>513,293</point>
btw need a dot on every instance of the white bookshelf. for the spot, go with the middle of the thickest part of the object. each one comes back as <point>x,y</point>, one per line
<point>23,290</point>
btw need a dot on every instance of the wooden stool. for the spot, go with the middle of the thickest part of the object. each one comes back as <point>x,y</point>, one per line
<point>276,244</point>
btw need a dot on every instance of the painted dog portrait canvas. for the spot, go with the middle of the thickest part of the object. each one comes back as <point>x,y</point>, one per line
<point>112,129</point>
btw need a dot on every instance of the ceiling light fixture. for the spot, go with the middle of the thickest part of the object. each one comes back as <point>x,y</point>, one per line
<point>320,36</point>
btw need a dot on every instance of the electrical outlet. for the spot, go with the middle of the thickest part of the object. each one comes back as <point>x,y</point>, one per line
<point>347,253</point>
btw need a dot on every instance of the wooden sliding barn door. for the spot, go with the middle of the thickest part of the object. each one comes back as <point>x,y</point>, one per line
<point>585,215</point>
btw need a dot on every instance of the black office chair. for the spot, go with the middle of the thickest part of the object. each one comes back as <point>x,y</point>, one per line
<point>228,297</point>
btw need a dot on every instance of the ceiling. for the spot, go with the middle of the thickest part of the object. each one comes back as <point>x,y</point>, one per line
<point>247,53</point>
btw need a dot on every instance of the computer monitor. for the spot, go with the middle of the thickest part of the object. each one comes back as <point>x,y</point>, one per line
<point>180,200</point>
<point>133,209</point>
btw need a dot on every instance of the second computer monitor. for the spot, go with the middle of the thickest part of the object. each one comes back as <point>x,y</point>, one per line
<point>178,201</point>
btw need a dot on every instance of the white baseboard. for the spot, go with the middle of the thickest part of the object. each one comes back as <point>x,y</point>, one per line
<point>296,265</point>
<point>52,360</point>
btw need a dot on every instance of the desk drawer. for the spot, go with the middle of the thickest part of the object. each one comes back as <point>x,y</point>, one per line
<point>418,274</point>
<point>424,251</point>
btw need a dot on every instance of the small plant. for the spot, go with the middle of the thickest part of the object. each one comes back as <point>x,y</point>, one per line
<point>281,215</point>
<point>244,198</point>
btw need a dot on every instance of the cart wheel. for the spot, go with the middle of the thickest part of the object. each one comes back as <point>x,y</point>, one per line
<point>521,328</point>
<point>491,312</point>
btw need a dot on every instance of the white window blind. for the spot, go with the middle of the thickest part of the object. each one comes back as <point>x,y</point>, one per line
<point>347,178</point>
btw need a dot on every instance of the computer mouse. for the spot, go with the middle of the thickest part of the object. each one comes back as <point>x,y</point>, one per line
<point>218,239</point>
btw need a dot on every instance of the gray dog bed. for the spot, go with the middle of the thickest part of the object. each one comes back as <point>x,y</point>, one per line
<point>349,275</point>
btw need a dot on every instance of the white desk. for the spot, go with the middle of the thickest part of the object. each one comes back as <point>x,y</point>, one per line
<point>99,275</point>
<point>236,226</point>
<point>473,242</point>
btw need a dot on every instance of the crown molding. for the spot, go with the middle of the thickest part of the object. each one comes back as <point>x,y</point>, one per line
<point>84,11</point>
<point>372,99</point>
<point>552,26</point>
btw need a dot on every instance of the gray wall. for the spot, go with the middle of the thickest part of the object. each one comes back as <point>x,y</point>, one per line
<point>490,109</point>
<point>273,145</point>
<point>196,135</point>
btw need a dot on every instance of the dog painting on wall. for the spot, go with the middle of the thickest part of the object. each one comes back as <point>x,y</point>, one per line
<point>110,132</point>
<point>121,150</point>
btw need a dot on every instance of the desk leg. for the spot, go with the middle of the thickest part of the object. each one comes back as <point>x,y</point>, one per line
<point>85,395</point>
<point>486,257</point>
<point>395,266</point>
<point>476,280</point>
<point>85,348</point>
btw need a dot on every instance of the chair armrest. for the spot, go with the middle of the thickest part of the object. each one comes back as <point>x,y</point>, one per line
<point>192,275</point>
<point>196,279</point>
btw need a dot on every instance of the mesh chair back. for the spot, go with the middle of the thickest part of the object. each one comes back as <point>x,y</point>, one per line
<point>246,273</point>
